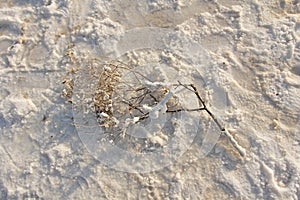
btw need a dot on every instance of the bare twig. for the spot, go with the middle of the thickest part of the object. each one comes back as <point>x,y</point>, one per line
<point>186,110</point>
<point>240,149</point>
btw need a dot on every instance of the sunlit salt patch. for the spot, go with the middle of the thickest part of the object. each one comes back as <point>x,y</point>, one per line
<point>219,97</point>
<point>23,106</point>
<point>148,37</point>
<point>78,11</point>
<point>283,90</point>
<point>293,77</point>
<point>291,101</point>
<point>132,13</point>
<point>160,139</point>
<point>209,43</point>
<point>167,5</point>
<point>217,94</point>
<point>98,37</point>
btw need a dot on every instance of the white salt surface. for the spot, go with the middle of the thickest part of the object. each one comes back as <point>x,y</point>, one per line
<point>249,78</point>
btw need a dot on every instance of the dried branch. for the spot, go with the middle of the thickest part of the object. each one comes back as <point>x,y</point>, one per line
<point>145,95</point>
<point>240,149</point>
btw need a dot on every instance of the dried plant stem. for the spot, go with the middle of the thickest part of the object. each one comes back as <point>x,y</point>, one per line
<point>234,143</point>
<point>160,99</point>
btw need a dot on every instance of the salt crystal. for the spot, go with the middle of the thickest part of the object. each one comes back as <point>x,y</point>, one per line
<point>103,114</point>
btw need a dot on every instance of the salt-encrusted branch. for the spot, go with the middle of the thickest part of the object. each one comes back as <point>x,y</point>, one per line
<point>111,77</point>
<point>239,148</point>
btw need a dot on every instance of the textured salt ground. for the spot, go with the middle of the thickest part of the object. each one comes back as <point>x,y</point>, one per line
<point>255,49</point>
